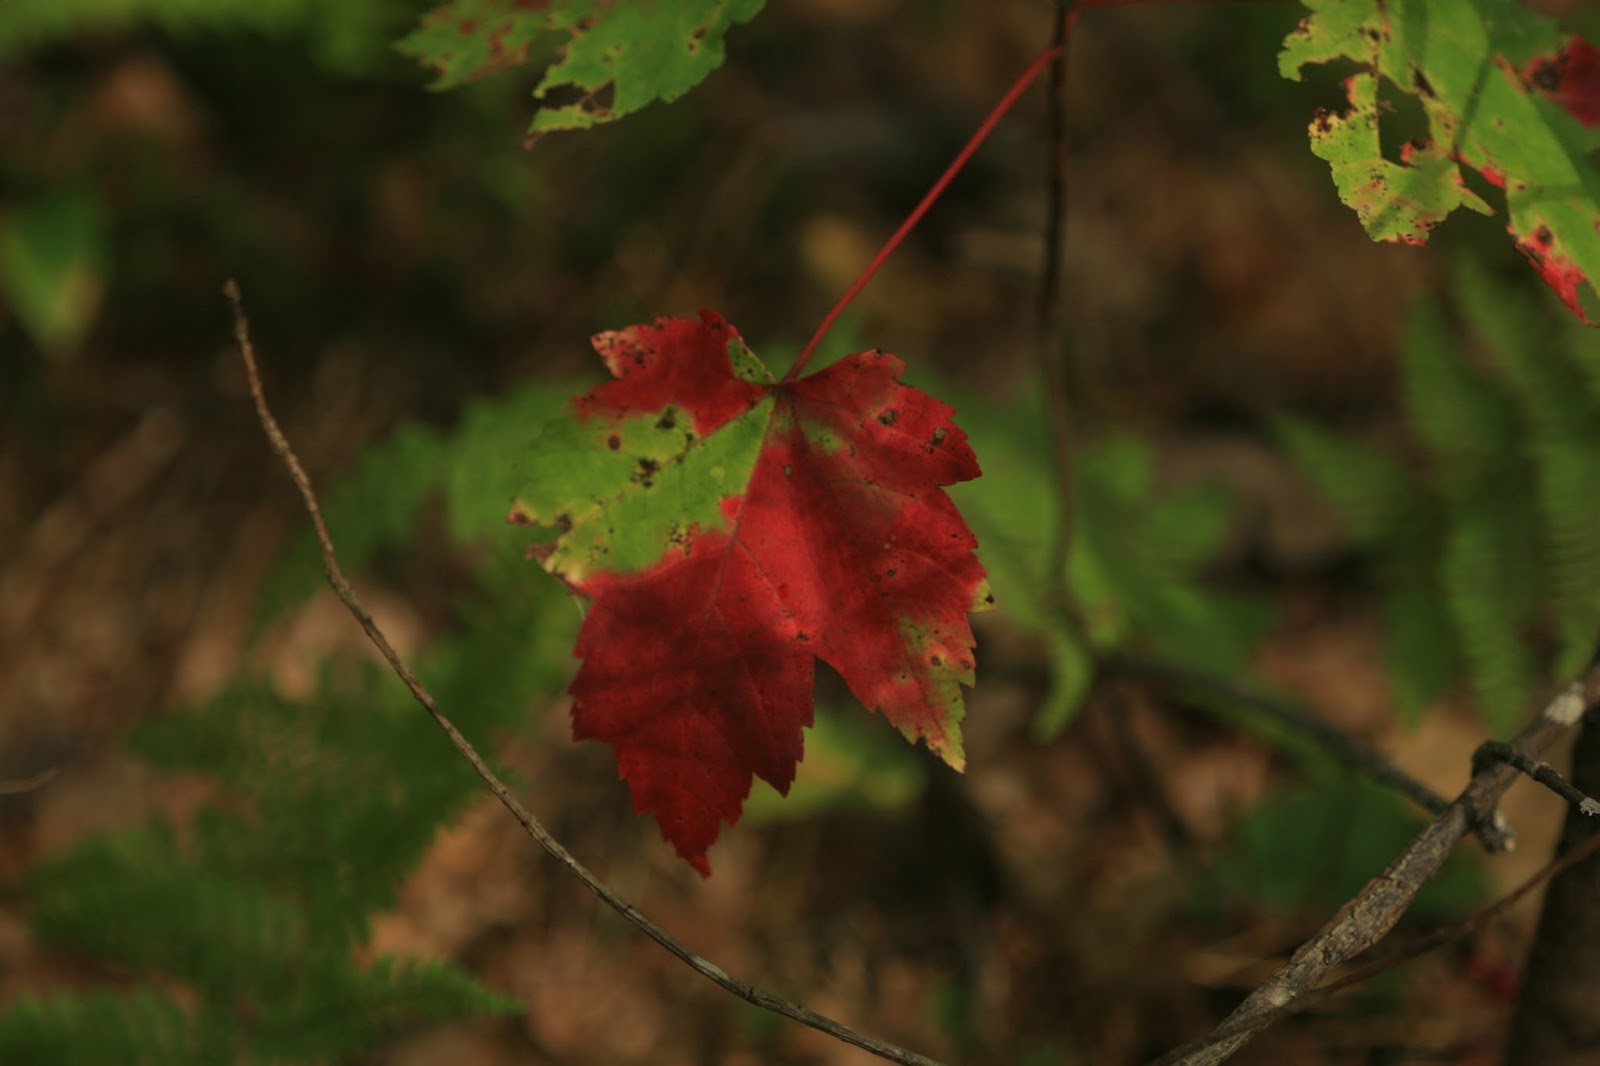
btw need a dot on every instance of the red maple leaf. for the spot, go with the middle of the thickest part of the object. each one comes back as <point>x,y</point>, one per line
<point>834,542</point>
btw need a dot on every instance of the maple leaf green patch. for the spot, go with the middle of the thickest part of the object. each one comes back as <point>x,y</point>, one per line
<point>1505,96</point>
<point>732,531</point>
<point>613,56</point>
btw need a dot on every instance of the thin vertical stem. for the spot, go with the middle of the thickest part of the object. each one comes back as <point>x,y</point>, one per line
<point>1006,102</point>
<point>1050,340</point>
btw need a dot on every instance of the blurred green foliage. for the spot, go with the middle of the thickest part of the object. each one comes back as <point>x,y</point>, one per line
<point>1137,561</point>
<point>332,798</point>
<point>53,267</point>
<point>349,36</point>
<point>328,802</point>
<point>1488,546</point>
<point>1314,847</point>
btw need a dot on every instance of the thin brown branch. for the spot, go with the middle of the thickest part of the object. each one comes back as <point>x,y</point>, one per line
<point>1399,956</point>
<point>18,786</point>
<point>1494,833</point>
<point>1049,332</point>
<point>1367,918</point>
<point>1493,751</point>
<point>341,587</point>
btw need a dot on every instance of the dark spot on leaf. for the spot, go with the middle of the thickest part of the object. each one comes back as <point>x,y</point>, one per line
<point>647,470</point>
<point>989,599</point>
<point>613,442</point>
<point>668,419</point>
<point>1322,120</point>
<point>892,571</point>
<point>1544,236</point>
<point>689,438</point>
<point>1546,74</point>
<point>563,523</point>
<point>938,436</point>
<point>802,635</point>
<point>888,417</point>
<point>1424,86</point>
<point>934,660</point>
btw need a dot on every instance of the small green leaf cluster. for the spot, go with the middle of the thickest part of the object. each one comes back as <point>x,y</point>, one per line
<point>257,905</point>
<point>1480,70</point>
<point>1137,559</point>
<point>615,57</point>
<point>1489,549</point>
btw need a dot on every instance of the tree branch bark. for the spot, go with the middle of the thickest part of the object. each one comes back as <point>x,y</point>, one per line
<point>1367,918</point>
<point>1556,1022</point>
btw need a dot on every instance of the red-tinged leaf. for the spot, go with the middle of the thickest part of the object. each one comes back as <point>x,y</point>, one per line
<point>615,57</point>
<point>1504,94</point>
<point>731,531</point>
<point>1570,77</point>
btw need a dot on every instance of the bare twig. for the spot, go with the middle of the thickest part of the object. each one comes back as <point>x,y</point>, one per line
<point>1493,751</point>
<point>341,587</point>
<point>1492,831</point>
<point>17,786</point>
<point>1404,953</point>
<point>1049,333</point>
<point>1364,920</point>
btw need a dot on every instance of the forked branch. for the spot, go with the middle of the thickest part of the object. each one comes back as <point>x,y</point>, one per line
<point>341,588</point>
<point>1367,918</point>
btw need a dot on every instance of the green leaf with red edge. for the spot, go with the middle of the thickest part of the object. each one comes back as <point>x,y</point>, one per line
<point>618,55</point>
<point>733,530</point>
<point>1505,95</point>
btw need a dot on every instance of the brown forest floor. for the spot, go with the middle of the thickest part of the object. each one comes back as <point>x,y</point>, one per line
<point>1212,276</point>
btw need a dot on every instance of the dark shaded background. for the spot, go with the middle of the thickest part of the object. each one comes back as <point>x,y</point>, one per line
<point>400,253</point>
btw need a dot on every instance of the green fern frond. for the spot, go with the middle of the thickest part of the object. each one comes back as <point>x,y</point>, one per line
<point>1561,442</point>
<point>1497,541</point>
<point>1467,425</point>
<point>1420,649</point>
<point>1568,475</point>
<point>137,897</point>
<point>332,799</point>
<point>341,1009</point>
<point>1581,350</point>
<point>1369,488</point>
<point>140,1028</point>
<point>1487,595</point>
